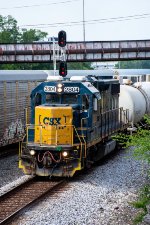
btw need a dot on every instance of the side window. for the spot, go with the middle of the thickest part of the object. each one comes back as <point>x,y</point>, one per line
<point>38,99</point>
<point>85,101</point>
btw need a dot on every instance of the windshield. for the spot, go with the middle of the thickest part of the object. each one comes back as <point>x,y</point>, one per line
<point>69,99</point>
<point>61,99</point>
<point>52,98</point>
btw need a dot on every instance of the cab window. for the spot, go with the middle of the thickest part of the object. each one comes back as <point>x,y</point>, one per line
<point>85,101</point>
<point>38,99</point>
<point>52,98</point>
<point>69,99</point>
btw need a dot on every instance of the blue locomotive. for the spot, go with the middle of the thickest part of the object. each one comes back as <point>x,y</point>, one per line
<point>71,125</point>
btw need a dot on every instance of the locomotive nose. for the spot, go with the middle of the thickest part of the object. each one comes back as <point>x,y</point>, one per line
<point>53,125</point>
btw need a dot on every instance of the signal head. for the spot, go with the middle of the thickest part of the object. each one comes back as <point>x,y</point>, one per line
<point>63,69</point>
<point>62,38</point>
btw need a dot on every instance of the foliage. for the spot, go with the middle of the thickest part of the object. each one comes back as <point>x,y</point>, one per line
<point>134,64</point>
<point>79,66</point>
<point>140,140</point>
<point>27,66</point>
<point>32,35</point>
<point>121,139</point>
<point>9,31</point>
<point>141,151</point>
<point>141,203</point>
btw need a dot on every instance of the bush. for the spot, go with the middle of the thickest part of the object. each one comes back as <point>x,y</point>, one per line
<point>141,151</point>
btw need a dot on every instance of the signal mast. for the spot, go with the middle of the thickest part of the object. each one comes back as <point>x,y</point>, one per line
<point>62,56</point>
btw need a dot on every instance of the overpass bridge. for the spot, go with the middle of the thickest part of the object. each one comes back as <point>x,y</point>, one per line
<point>91,51</point>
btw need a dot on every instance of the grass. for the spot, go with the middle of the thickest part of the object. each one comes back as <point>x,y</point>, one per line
<point>141,203</point>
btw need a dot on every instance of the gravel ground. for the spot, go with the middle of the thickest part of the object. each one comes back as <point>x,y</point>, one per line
<point>10,174</point>
<point>100,198</point>
<point>9,170</point>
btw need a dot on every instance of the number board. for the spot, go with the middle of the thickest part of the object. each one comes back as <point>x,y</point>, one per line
<point>65,89</point>
<point>71,89</point>
<point>50,89</point>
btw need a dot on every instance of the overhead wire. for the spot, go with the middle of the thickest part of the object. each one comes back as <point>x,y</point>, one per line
<point>39,5</point>
<point>78,23</point>
<point>89,22</point>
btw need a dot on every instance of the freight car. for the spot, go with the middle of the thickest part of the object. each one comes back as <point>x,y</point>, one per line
<point>15,88</point>
<point>136,98</point>
<point>72,121</point>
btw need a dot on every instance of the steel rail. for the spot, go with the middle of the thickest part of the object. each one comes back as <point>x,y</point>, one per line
<point>23,196</point>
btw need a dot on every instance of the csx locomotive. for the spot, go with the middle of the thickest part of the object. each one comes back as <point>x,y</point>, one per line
<point>72,121</point>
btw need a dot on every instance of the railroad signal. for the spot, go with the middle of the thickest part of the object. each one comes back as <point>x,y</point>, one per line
<point>62,38</point>
<point>63,69</point>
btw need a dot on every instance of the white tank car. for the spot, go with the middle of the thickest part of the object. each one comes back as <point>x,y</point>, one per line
<point>131,98</point>
<point>144,88</point>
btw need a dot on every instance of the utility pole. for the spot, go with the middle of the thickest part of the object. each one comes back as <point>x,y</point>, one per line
<point>83,23</point>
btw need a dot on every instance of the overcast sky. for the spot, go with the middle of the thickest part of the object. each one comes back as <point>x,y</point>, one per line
<point>105,19</point>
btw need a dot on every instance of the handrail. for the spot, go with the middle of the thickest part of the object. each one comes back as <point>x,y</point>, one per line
<point>83,135</point>
<point>82,141</point>
<point>118,114</point>
<point>20,148</point>
<point>32,126</point>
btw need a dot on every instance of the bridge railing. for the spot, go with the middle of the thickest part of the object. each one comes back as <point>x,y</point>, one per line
<point>76,51</point>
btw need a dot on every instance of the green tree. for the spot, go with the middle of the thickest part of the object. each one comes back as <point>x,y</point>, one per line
<point>9,31</point>
<point>134,64</point>
<point>79,66</point>
<point>32,35</point>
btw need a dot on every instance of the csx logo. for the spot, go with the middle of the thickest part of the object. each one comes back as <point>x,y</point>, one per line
<point>51,121</point>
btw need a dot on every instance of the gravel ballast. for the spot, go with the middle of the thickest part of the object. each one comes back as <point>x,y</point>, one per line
<point>9,170</point>
<point>100,198</point>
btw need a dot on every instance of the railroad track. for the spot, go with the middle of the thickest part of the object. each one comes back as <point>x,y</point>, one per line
<point>23,196</point>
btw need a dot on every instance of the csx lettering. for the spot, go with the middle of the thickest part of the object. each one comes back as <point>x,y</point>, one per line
<point>51,121</point>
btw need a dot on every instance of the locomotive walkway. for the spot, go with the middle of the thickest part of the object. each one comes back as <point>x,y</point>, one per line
<point>92,51</point>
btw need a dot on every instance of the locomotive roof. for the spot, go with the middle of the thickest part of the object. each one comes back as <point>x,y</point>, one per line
<point>25,75</point>
<point>41,75</point>
<point>131,72</point>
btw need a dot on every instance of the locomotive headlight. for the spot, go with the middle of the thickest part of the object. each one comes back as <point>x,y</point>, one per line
<point>32,152</point>
<point>59,85</point>
<point>64,154</point>
<point>59,90</point>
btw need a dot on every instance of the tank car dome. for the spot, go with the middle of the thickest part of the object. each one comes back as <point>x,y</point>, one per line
<point>131,98</point>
